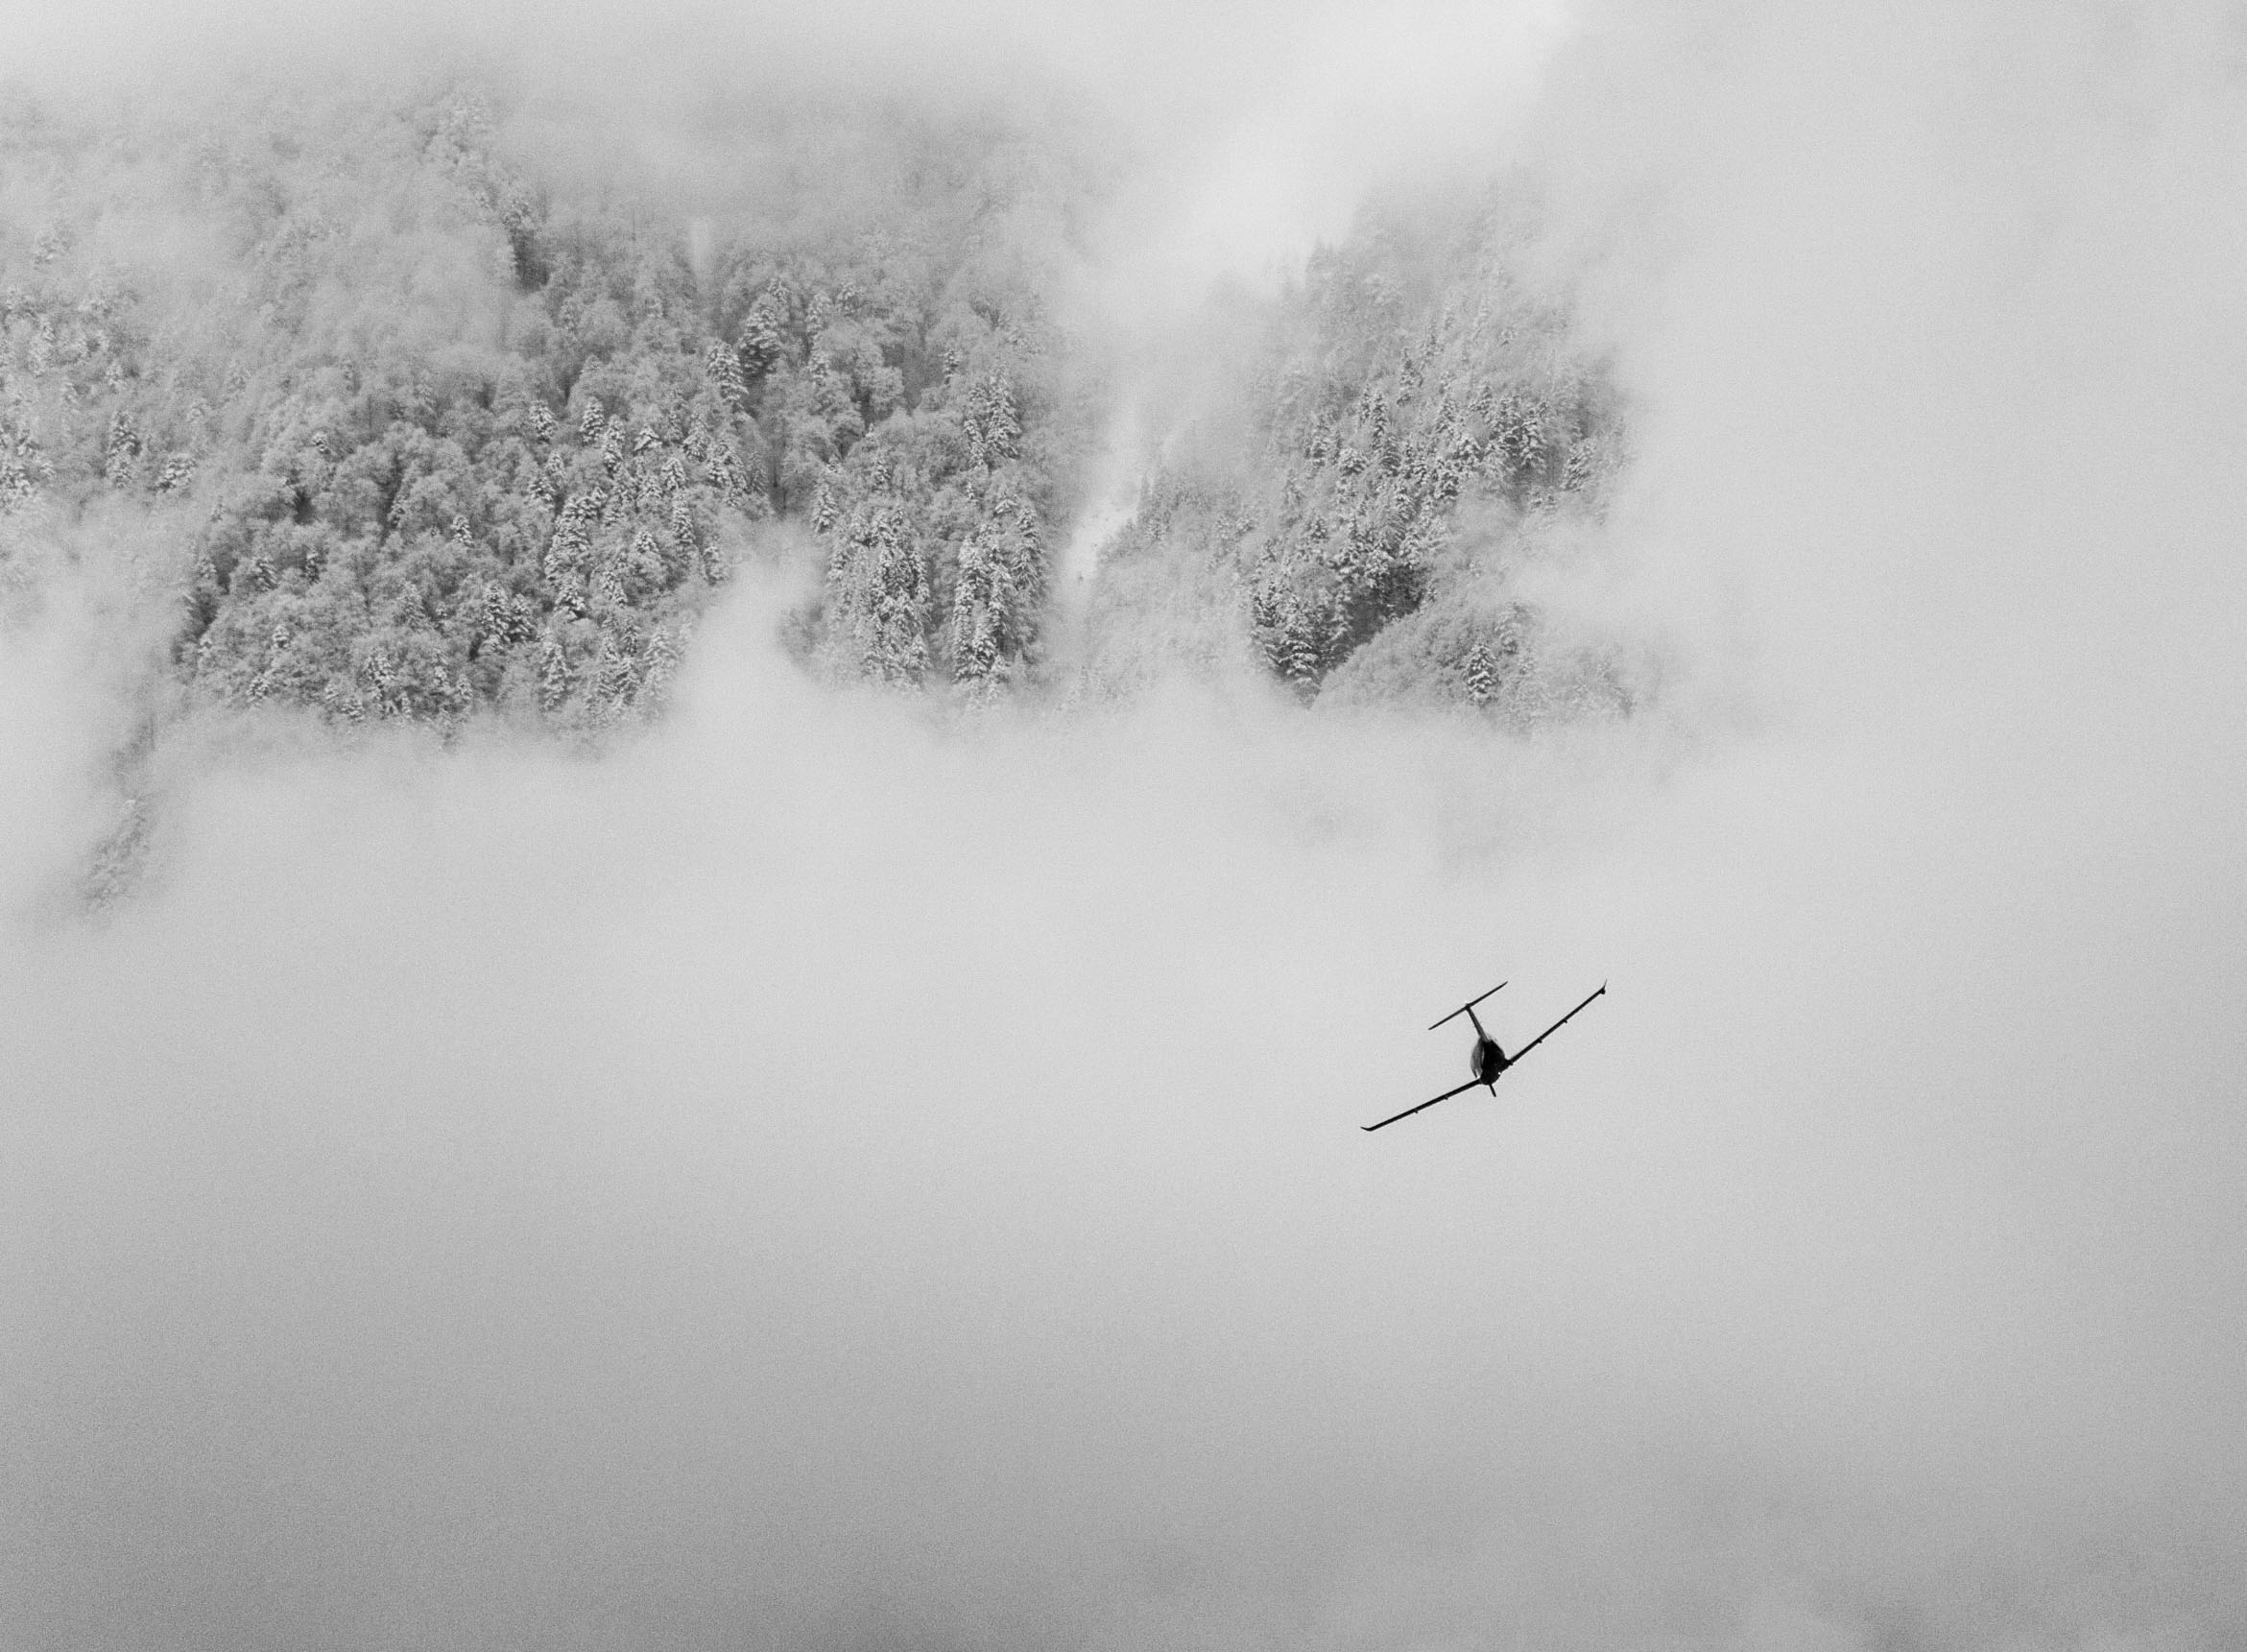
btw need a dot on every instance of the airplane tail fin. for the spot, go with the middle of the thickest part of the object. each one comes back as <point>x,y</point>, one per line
<point>1465,1009</point>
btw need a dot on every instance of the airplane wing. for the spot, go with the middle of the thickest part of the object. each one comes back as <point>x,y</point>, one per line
<point>1410,1111</point>
<point>1554,1028</point>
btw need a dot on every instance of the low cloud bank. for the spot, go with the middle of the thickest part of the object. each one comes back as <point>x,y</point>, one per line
<point>818,1177</point>
<point>815,1180</point>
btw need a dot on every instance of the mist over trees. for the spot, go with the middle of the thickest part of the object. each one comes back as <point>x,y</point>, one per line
<point>440,429</point>
<point>1416,427</point>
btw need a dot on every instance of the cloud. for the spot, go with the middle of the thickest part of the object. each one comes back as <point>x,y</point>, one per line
<point>1251,130</point>
<point>828,1176</point>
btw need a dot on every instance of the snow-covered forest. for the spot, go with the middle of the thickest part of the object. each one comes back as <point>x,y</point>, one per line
<point>434,429</point>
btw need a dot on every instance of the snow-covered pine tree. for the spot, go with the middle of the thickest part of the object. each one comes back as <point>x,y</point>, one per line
<point>1482,676</point>
<point>884,589</point>
<point>992,422</point>
<point>554,674</point>
<point>761,345</point>
<point>722,367</point>
<point>997,595</point>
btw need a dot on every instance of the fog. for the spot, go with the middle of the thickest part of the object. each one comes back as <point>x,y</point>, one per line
<point>829,1175</point>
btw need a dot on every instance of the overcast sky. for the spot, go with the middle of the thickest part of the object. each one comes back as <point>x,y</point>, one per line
<point>826,1179</point>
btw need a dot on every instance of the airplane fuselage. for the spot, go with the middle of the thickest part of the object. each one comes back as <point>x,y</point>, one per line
<point>1488,1061</point>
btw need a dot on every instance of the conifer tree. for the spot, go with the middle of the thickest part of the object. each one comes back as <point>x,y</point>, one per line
<point>761,345</point>
<point>997,585</point>
<point>1482,676</point>
<point>661,668</point>
<point>898,652</point>
<point>992,422</point>
<point>554,674</point>
<point>723,368</point>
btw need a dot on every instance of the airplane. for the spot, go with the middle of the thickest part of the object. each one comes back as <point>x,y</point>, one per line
<point>1489,1063</point>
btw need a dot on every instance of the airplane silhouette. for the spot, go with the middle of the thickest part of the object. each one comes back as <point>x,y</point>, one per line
<point>1489,1063</point>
